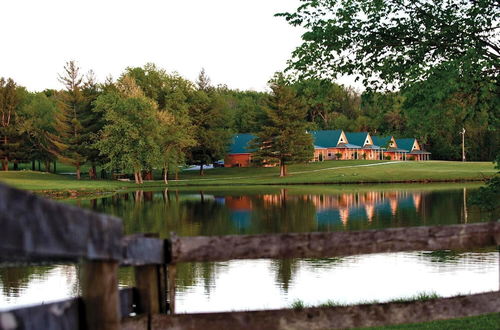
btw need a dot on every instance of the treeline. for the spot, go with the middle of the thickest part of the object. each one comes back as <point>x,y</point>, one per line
<point>149,118</point>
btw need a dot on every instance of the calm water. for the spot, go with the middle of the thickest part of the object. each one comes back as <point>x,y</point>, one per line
<point>259,284</point>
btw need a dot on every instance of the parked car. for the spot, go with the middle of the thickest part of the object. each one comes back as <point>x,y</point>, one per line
<point>219,163</point>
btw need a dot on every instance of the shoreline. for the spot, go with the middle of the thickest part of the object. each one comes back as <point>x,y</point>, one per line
<point>97,193</point>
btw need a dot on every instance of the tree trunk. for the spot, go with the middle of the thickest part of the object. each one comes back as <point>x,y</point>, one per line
<point>47,166</point>
<point>33,165</point>
<point>16,165</point>
<point>282,168</point>
<point>94,172</point>
<point>139,175</point>
<point>39,167</point>
<point>5,163</point>
<point>78,172</point>
<point>55,166</point>
<point>136,178</point>
<point>165,179</point>
<point>201,170</point>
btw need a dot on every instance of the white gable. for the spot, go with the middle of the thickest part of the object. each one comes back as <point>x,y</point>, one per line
<point>342,138</point>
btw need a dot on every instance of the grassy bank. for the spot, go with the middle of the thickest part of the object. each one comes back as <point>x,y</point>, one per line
<point>487,321</point>
<point>482,322</point>
<point>328,172</point>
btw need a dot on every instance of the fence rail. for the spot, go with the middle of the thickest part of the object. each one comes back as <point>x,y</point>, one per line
<point>38,230</point>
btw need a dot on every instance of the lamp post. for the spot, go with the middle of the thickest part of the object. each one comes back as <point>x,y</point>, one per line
<point>463,143</point>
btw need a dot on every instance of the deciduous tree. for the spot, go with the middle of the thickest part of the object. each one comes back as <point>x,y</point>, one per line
<point>9,101</point>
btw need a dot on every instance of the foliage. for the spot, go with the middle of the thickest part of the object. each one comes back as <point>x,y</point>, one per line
<point>443,56</point>
<point>69,122</point>
<point>489,196</point>
<point>400,42</point>
<point>129,137</point>
<point>174,139</point>
<point>284,138</point>
<point>36,122</point>
<point>207,111</point>
<point>9,101</point>
<point>326,100</point>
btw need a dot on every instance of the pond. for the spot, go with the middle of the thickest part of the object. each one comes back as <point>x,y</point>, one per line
<point>262,284</point>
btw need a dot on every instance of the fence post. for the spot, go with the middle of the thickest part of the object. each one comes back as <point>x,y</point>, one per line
<point>171,270</point>
<point>100,295</point>
<point>147,284</point>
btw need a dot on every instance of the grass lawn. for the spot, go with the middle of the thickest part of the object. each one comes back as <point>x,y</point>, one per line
<point>482,322</point>
<point>328,172</point>
<point>354,171</point>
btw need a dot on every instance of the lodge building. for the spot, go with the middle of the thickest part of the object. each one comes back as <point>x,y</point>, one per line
<point>338,145</point>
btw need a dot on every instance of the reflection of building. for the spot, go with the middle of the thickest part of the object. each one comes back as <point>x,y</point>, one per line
<point>417,200</point>
<point>370,211</point>
<point>344,215</point>
<point>343,208</point>
<point>241,210</point>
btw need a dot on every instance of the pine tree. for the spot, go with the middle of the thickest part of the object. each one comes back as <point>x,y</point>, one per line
<point>70,122</point>
<point>209,116</point>
<point>284,138</point>
<point>92,122</point>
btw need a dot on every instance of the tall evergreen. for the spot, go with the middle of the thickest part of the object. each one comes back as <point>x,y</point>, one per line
<point>211,121</point>
<point>92,122</point>
<point>284,138</point>
<point>70,123</point>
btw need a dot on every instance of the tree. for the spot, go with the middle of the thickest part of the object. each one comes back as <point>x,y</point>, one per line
<point>129,138</point>
<point>92,122</point>
<point>9,101</point>
<point>36,120</point>
<point>396,41</point>
<point>175,138</point>
<point>212,133</point>
<point>70,124</point>
<point>450,48</point>
<point>284,138</point>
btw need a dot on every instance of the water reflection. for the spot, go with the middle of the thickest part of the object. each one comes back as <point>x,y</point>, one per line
<point>281,210</point>
<point>241,284</point>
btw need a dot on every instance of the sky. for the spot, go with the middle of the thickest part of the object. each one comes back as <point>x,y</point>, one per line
<point>239,43</point>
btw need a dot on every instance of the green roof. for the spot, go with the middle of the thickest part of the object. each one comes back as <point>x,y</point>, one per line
<point>405,144</point>
<point>327,138</point>
<point>382,141</point>
<point>357,138</point>
<point>240,143</point>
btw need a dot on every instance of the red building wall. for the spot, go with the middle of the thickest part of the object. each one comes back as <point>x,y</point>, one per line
<point>237,160</point>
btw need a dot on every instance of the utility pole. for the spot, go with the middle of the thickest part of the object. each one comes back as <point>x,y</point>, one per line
<point>463,143</point>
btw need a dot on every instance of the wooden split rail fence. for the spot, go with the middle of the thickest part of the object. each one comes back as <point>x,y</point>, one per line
<point>34,230</point>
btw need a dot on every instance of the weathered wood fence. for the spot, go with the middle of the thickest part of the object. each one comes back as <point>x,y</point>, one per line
<point>34,230</point>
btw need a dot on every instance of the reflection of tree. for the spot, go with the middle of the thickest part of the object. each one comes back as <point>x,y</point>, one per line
<point>285,270</point>
<point>291,214</point>
<point>15,279</point>
<point>324,262</point>
<point>441,256</point>
<point>190,213</point>
<point>189,273</point>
